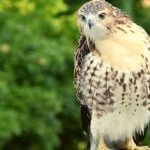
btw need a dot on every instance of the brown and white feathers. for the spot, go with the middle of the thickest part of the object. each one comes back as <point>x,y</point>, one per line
<point>112,72</point>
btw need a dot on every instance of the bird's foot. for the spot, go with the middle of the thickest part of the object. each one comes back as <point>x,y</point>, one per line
<point>130,145</point>
<point>136,148</point>
<point>141,148</point>
<point>102,145</point>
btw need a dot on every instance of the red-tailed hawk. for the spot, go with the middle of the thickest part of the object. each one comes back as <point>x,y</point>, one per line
<point>112,76</point>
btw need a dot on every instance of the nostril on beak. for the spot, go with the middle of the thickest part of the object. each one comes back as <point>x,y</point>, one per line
<point>90,23</point>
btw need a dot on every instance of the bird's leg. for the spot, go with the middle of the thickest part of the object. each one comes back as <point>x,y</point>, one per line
<point>102,145</point>
<point>130,145</point>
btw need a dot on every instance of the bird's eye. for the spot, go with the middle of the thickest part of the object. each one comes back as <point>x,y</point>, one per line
<point>83,18</point>
<point>102,15</point>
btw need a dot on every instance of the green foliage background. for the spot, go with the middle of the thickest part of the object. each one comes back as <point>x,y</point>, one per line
<point>38,108</point>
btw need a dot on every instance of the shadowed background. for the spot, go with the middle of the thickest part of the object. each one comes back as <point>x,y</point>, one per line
<point>38,107</point>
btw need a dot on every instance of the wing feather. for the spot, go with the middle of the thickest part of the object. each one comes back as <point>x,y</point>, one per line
<point>81,51</point>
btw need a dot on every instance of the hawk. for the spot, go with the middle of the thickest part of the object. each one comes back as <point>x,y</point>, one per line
<point>112,77</point>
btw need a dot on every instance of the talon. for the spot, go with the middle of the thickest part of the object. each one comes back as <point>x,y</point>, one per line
<point>102,145</point>
<point>130,145</point>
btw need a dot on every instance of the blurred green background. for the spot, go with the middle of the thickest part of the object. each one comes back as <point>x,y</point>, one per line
<point>38,107</point>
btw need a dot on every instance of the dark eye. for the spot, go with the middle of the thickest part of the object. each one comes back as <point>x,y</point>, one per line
<point>83,18</point>
<point>102,15</point>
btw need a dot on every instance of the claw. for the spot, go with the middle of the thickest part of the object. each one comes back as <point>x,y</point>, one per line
<point>102,145</point>
<point>130,145</point>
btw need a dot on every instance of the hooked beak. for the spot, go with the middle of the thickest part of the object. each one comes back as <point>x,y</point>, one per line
<point>90,23</point>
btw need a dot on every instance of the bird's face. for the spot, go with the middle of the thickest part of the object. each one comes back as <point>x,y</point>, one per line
<point>95,18</point>
<point>93,25</point>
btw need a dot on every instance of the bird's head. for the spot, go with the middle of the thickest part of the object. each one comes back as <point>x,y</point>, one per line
<point>97,18</point>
